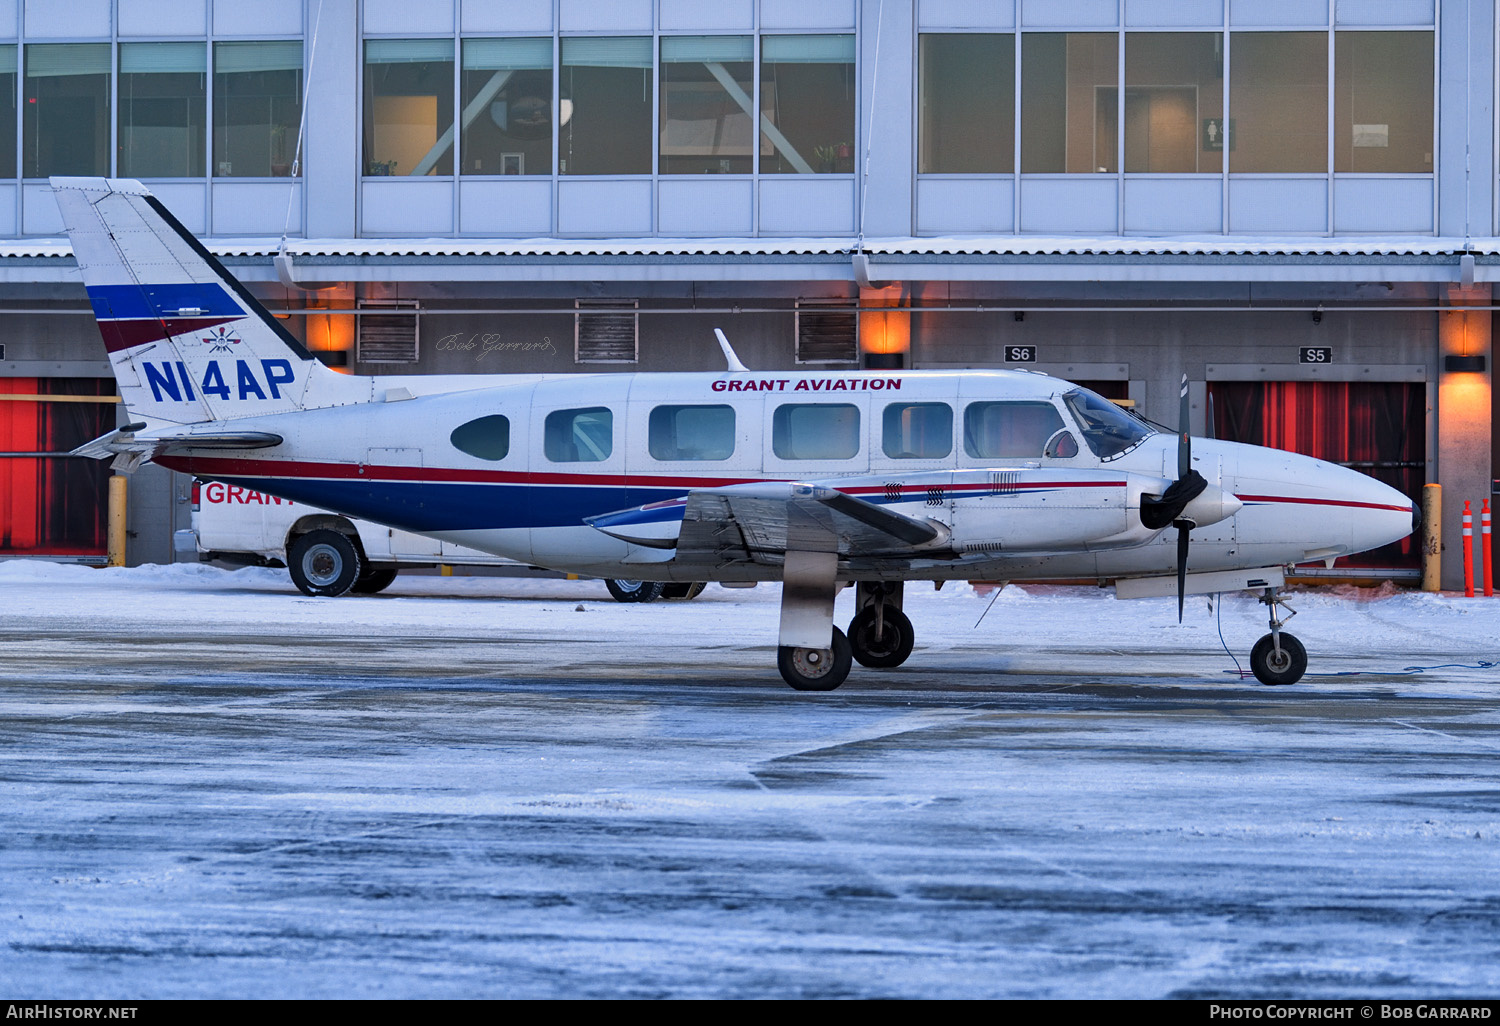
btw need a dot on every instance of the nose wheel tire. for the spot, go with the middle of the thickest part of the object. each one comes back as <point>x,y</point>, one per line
<point>816,669</point>
<point>323,563</point>
<point>888,648</point>
<point>1284,667</point>
<point>634,591</point>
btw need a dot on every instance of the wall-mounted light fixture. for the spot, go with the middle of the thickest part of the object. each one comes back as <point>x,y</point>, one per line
<point>1456,364</point>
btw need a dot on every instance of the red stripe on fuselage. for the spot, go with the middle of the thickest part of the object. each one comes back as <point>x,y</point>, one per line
<point>1323,502</point>
<point>221,466</point>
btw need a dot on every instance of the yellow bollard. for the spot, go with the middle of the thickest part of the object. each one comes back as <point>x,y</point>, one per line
<point>1432,537</point>
<point>446,569</point>
<point>116,542</point>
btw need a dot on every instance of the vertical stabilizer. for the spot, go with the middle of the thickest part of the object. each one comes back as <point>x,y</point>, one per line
<point>187,341</point>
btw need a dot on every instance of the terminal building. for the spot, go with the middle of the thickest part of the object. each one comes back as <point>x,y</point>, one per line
<point>1292,202</point>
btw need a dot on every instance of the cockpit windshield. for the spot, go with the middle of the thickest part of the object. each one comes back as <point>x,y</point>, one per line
<point>1108,430</point>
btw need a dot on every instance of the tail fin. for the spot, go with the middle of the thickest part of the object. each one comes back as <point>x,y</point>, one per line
<point>187,342</point>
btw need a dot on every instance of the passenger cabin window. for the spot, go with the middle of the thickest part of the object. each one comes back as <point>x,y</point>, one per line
<point>1010,430</point>
<point>487,438</point>
<point>579,436</point>
<point>815,431</point>
<point>917,431</point>
<point>691,432</point>
<point>1107,430</point>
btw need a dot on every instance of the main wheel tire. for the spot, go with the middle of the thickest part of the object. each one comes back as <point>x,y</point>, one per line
<point>372,581</point>
<point>634,591</point>
<point>324,563</point>
<point>816,669</point>
<point>891,647</point>
<point>1287,667</point>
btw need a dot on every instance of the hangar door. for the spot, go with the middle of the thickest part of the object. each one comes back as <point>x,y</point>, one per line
<point>53,504</point>
<point>1377,428</point>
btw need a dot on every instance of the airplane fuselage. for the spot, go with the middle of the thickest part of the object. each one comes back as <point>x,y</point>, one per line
<point>1001,458</point>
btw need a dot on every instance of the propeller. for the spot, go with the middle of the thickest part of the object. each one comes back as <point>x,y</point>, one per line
<point>1166,510</point>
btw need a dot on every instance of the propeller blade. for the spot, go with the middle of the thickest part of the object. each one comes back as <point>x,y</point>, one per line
<point>1182,553</point>
<point>1210,433</point>
<point>1184,442</point>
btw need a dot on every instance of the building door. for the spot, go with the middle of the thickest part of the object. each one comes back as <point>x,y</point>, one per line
<point>53,504</point>
<point>1376,428</point>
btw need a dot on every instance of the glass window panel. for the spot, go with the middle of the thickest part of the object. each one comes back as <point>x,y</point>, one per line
<point>162,111</point>
<point>967,103</point>
<point>917,431</point>
<point>815,431</point>
<point>807,104</point>
<point>691,432</point>
<point>487,437</point>
<point>1108,430</point>
<point>1278,102</point>
<point>507,107</point>
<point>706,107</point>
<point>408,107</point>
<point>257,108</point>
<point>1069,83</point>
<point>8,109</point>
<point>605,115</point>
<point>1174,102</point>
<point>1383,94</point>
<point>65,128</point>
<point>579,436</point>
<point>1017,430</point>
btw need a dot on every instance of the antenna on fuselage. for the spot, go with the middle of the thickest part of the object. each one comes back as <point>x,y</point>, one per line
<point>730,358</point>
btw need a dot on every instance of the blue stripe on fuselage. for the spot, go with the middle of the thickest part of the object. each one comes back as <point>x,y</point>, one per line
<point>423,506</point>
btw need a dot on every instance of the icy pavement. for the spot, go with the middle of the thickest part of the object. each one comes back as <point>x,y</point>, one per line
<point>211,785</point>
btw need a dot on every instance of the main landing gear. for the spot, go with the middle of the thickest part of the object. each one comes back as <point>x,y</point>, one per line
<point>880,635</point>
<point>1278,658</point>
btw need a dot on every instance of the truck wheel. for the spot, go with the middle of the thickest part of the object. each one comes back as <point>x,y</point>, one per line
<point>323,563</point>
<point>372,581</point>
<point>634,591</point>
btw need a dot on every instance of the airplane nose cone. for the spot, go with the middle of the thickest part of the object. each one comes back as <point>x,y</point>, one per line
<point>1381,514</point>
<point>1310,508</point>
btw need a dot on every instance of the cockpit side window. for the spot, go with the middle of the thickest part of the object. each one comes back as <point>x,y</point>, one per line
<point>1009,430</point>
<point>579,436</point>
<point>486,437</point>
<point>1107,430</point>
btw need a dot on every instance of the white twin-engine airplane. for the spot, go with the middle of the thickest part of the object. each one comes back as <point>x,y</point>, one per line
<point>815,479</point>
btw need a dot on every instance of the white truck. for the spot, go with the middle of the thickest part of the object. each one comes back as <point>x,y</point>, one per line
<point>329,554</point>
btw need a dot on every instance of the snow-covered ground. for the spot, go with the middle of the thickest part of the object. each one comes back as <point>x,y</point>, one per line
<point>211,785</point>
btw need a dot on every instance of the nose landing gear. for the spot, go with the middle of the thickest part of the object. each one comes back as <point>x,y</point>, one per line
<point>1278,658</point>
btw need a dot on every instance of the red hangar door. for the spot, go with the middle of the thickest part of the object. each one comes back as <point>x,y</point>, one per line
<point>53,504</point>
<point>1377,428</point>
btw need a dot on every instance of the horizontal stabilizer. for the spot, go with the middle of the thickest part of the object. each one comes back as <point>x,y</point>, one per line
<point>124,440</point>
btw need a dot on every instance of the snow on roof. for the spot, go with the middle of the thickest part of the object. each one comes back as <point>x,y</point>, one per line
<point>946,246</point>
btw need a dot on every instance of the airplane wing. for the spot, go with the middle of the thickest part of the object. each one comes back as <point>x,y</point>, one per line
<point>760,522</point>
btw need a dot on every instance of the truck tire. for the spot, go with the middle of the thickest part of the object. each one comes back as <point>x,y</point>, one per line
<point>372,581</point>
<point>634,591</point>
<point>323,563</point>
